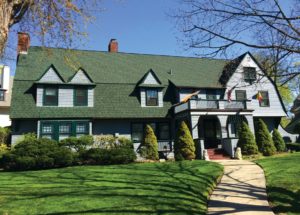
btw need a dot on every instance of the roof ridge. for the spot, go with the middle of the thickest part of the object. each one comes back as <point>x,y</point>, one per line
<point>132,53</point>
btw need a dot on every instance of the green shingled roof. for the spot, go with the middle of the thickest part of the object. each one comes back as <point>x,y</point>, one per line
<point>116,76</point>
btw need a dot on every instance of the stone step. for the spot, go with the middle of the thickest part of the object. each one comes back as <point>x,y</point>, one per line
<point>217,154</point>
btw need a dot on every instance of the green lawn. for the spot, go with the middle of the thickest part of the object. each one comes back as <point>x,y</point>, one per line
<point>283,182</point>
<point>151,188</point>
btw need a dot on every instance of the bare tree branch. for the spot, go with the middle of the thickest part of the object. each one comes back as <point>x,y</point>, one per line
<point>215,26</point>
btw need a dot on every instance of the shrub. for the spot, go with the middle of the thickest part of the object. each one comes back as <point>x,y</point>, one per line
<point>109,141</point>
<point>246,140</point>
<point>33,153</point>
<point>104,141</point>
<point>78,144</point>
<point>63,157</point>
<point>264,140</point>
<point>184,146</point>
<point>3,149</point>
<point>125,142</point>
<point>121,155</point>
<point>4,133</point>
<point>278,141</point>
<point>149,145</point>
<point>293,146</point>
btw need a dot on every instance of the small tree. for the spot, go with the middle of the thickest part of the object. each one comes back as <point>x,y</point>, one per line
<point>278,141</point>
<point>263,139</point>
<point>149,146</point>
<point>184,146</point>
<point>4,133</point>
<point>246,140</point>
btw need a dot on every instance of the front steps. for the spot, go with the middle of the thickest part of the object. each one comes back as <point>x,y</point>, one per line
<point>217,154</point>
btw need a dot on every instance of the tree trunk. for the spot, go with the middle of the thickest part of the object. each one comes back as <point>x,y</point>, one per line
<point>6,9</point>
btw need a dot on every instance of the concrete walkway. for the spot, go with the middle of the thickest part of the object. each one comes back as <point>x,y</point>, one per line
<point>242,190</point>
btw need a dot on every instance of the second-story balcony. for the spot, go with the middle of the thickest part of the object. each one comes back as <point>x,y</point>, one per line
<point>202,104</point>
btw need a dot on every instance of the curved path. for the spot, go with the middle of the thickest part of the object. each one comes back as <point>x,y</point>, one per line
<point>242,190</point>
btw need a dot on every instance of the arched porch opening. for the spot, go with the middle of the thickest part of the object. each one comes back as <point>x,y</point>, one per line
<point>209,129</point>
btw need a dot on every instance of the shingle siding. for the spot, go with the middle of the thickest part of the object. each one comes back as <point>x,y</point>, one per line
<point>150,79</point>
<point>39,96</point>
<point>90,97</point>
<point>80,78</point>
<point>65,96</point>
<point>50,76</point>
<point>237,81</point>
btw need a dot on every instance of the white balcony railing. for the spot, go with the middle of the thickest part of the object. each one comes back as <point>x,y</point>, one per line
<point>202,104</point>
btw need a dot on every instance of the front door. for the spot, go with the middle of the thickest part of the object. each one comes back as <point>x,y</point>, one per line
<point>210,133</point>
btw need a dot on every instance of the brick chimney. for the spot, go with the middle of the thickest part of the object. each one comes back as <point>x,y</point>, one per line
<point>23,43</point>
<point>113,45</point>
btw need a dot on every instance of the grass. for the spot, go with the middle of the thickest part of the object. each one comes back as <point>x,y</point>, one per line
<point>150,188</point>
<point>283,182</point>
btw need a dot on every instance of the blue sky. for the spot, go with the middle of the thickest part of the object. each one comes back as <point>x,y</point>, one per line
<point>140,26</point>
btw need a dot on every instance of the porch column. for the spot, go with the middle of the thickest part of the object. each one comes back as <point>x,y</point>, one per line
<point>250,122</point>
<point>194,126</point>
<point>223,122</point>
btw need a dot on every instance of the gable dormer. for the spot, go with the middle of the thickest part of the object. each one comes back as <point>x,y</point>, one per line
<point>151,94</point>
<point>81,77</point>
<point>150,78</point>
<point>51,76</point>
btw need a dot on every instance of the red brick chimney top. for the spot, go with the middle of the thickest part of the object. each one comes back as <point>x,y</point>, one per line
<point>23,43</point>
<point>113,45</point>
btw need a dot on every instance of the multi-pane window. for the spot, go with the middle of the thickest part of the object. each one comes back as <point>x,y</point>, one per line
<point>137,132</point>
<point>50,96</point>
<point>64,130</point>
<point>249,74</point>
<point>59,130</point>
<point>2,95</point>
<point>161,131</point>
<point>152,97</point>
<point>241,95</point>
<point>264,101</point>
<point>80,97</point>
<point>47,130</point>
<point>82,129</point>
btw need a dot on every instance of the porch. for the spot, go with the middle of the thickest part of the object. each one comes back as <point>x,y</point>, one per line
<point>219,130</point>
<point>214,123</point>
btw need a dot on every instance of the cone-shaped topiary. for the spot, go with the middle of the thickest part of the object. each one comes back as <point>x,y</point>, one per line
<point>278,141</point>
<point>149,146</point>
<point>246,140</point>
<point>263,139</point>
<point>184,146</point>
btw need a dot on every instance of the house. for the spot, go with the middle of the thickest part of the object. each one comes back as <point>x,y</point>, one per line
<point>6,82</point>
<point>294,126</point>
<point>58,93</point>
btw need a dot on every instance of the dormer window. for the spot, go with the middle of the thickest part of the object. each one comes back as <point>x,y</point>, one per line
<point>50,96</point>
<point>249,74</point>
<point>80,96</point>
<point>152,97</point>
